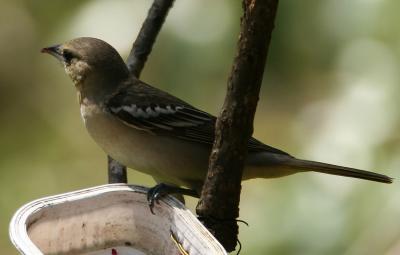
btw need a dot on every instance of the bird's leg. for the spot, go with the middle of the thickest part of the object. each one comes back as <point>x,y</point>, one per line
<point>162,189</point>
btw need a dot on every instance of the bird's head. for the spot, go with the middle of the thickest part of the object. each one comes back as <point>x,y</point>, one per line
<point>92,64</point>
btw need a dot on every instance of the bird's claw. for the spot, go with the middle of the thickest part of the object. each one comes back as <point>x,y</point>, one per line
<point>161,190</point>
<point>155,194</point>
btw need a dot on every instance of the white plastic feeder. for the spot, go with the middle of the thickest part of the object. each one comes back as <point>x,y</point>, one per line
<point>112,219</point>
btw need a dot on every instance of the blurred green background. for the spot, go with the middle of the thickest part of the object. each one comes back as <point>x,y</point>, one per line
<point>331,93</point>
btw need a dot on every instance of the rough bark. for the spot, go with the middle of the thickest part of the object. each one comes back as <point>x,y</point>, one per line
<point>219,203</point>
<point>137,58</point>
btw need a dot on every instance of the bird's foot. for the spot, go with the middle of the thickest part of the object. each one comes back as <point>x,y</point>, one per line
<point>210,220</point>
<point>161,190</point>
<point>220,221</point>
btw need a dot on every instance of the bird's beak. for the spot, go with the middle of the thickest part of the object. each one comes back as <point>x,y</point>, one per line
<point>54,51</point>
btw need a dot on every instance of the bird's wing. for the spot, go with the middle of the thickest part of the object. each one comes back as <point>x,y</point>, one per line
<point>146,108</point>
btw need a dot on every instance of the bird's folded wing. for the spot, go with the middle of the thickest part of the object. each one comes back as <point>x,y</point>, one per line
<point>146,108</point>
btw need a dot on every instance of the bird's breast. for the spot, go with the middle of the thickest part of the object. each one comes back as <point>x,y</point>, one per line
<point>166,158</point>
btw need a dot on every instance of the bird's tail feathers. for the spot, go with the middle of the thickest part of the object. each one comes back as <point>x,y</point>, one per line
<point>307,165</point>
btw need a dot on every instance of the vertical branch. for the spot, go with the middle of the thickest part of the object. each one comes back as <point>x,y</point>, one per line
<point>116,171</point>
<point>136,60</point>
<point>219,201</point>
<point>147,36</point>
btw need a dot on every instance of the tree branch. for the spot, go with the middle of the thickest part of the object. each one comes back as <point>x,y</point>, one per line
<point>219,203</point>
<point>116,171</point>
<point>148,33</point>
<point>136,60</point>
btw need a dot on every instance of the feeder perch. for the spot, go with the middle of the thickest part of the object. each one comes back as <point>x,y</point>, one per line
<point>112,219</point>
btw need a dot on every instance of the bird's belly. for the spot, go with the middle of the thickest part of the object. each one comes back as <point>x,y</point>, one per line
<point>168,160</point>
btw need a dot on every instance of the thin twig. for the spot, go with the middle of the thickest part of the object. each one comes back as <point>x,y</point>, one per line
<point>221,191</point>
<point>136,60</point>
<point>116,171</point>
<point>148,33</point>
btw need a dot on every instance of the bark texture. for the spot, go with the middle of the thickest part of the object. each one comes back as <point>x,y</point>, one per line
<point>219,203</point>
<point>137,58</point>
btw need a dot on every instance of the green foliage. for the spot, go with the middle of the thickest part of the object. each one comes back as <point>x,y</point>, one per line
<point>330,93</point>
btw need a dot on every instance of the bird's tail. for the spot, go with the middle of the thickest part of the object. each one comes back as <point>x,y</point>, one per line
<point>307,165</point>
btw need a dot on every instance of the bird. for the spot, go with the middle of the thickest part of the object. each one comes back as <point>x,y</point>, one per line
<point>154,132</point>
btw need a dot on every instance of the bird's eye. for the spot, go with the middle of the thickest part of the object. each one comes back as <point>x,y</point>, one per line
<point>68,56</point>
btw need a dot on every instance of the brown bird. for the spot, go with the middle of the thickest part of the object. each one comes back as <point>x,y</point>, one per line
<point>158,134</point>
